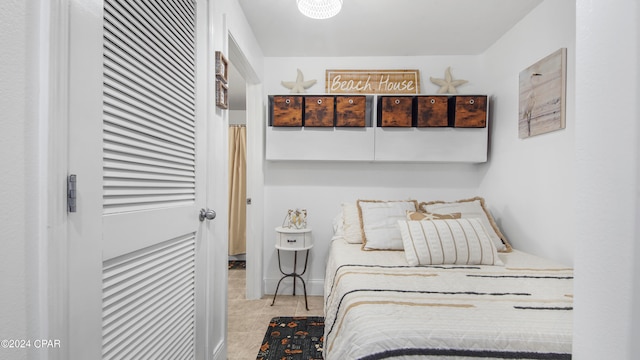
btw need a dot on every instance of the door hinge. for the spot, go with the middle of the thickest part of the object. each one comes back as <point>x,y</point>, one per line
<point>71,193</point>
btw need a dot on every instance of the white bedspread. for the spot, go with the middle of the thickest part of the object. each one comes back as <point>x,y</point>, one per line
<point>378,307</point>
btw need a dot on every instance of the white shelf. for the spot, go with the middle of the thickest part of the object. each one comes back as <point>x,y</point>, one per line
<point>468,145</point>
<point>334,144</point>
<point>441,145</point>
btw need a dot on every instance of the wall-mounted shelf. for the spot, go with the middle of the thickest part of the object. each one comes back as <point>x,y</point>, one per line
<point>335,144</point>
<point>443,144</point>
<point>412,141</point>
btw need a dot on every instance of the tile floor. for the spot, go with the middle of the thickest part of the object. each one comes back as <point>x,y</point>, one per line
<point>248,319</point>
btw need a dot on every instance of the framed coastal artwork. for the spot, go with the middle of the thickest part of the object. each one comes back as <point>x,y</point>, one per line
<point>542,88</point>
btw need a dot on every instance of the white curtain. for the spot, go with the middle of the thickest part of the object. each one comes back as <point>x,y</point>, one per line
<point>237,190</point>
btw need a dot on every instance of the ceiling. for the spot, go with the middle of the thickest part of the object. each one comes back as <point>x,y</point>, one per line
<point>382,28</point>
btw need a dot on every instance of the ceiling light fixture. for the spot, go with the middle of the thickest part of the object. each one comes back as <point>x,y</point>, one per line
<point>319,9</point>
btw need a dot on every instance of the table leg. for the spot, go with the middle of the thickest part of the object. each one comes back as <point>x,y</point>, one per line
<point>295,266</point>
<point>294,275</point>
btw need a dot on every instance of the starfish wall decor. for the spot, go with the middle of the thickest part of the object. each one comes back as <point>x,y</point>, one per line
<point>447,85</point>
<point>299,86</point>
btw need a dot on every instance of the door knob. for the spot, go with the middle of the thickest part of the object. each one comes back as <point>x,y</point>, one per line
<point>207,214</point>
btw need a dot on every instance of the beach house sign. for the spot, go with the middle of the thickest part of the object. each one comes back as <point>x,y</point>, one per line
<point>372,81</point>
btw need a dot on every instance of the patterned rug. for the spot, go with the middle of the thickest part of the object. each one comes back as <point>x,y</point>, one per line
<point>237,264</point>
<point>293,338</point>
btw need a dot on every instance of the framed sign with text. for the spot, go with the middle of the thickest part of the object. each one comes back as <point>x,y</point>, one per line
<point>372,81</point>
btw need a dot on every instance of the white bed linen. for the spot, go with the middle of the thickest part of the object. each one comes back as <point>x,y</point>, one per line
<point>379,307</point>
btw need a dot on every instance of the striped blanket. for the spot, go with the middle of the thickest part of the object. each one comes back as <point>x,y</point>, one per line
<point>378,307</point>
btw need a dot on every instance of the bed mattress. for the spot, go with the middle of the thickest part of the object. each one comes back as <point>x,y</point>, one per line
<point>379,307</point>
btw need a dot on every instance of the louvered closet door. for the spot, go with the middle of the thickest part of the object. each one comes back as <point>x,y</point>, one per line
<point>152,181</point>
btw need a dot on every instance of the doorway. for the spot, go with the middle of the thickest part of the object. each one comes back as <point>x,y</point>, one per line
<point>246,89</point>
<point>238,199</point>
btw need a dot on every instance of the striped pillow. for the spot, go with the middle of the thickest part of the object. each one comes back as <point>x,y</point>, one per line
<point>471,208</point>
<point>452,241</point>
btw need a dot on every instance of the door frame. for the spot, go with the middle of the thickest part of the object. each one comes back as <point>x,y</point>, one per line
<point>254,167</point>
<point>54,66</point>
<point>255,188</point>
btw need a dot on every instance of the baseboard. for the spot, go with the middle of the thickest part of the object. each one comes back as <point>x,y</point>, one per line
<point>315,287</point>
<point>220,353</point>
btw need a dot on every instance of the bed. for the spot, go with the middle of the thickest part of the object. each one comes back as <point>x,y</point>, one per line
<point>380,304</point>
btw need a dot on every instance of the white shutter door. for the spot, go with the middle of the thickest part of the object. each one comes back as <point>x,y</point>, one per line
<point>149,303</point>
<point>150,180</point>
<point>149,105</point>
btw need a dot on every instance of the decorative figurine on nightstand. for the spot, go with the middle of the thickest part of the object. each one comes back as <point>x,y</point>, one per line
<point>296,219</point>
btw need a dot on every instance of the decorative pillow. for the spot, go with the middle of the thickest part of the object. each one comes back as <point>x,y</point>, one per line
<point>379,221</point>
<point>338,226</point>
<point>418,215</point>
<point>351,223</point>
<point>454,241</point>
<point>471,208</point>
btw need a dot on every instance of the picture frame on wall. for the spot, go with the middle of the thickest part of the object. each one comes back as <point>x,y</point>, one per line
<point>542,96</point>
<point>222,66</point>
<point>222,98</point>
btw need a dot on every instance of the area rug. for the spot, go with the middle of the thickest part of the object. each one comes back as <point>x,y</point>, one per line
<point>237,264</point>
<point>293,338</point>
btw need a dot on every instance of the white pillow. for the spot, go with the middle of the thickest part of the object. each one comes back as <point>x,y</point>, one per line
<point>380,223</point>
<point>455,241</point>
<point>338,226</point>
<point>471,208</point>
<point>352,229</point>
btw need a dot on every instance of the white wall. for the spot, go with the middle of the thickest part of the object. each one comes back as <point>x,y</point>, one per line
<point>13,99</point>
<point>237,117</point>
<point>530,183</point>
<point>320,187</point>
<point>607,211</point>
<point>18,178</point>
<point>313,68</point>
<point>519,173</point>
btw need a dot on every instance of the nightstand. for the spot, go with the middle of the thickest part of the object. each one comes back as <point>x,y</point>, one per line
<point>288,239</point>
